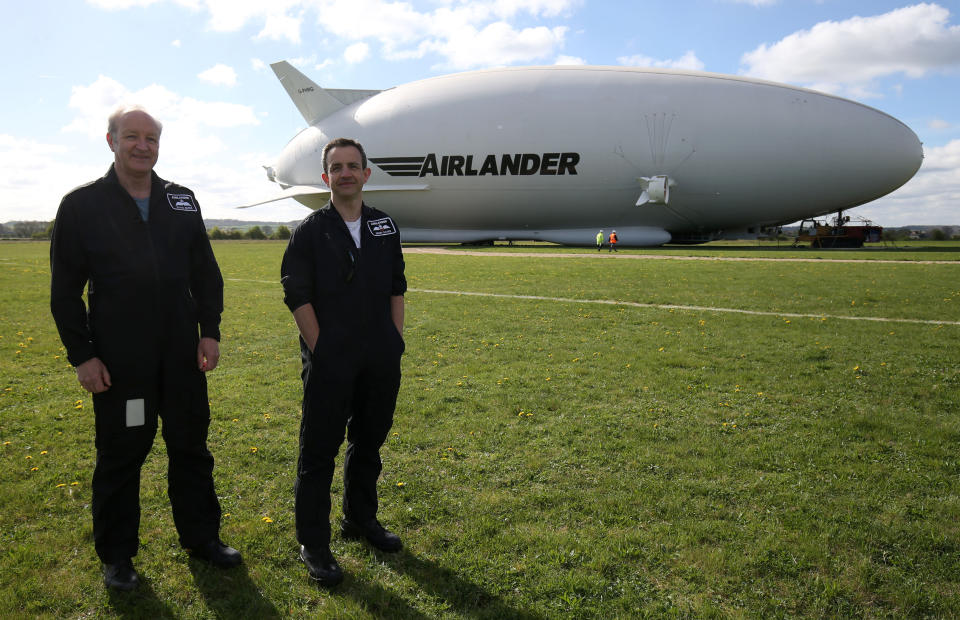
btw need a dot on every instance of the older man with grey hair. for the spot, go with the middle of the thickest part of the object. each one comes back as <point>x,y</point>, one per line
<point>143,342</point>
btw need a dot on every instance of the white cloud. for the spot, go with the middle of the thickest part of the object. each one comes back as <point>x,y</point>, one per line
<point>454,29</point>
<point>688,62</point>
<point>569,60</point>
<point>939,123</point>
<point>183,118</point>
<point>257,65</point>
<point>848,57</point>
<point>24,161</point>
<point>280,26</point>
<point>175,43</point>
<point>497,44</point>
<point>219,75</point>
<point>356,53</point>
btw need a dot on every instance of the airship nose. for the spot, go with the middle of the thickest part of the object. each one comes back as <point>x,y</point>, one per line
<point>891,153</point>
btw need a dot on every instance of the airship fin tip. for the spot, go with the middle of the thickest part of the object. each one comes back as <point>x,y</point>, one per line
<point>314,102</point>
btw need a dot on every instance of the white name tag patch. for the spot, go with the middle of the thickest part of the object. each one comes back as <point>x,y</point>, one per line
<point>135,413</point>
<point>382,227</point>
<point>182,202</point>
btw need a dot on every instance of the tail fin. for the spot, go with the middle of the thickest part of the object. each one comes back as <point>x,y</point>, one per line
<point>313,101</point>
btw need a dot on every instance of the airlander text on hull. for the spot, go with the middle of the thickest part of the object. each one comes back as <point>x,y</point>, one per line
<point>463,165</point>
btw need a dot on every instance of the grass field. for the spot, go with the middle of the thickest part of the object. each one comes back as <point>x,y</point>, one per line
<point>554,454</point>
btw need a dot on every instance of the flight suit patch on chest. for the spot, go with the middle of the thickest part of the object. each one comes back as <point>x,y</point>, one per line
<point>382,227</point>
<point>182,202</point>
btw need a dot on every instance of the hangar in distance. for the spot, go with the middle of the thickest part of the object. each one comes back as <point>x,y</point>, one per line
<point>557,153</point>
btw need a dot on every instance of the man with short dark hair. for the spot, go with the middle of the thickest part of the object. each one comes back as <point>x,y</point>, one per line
<point>343,280</point>
<point>139,246</point>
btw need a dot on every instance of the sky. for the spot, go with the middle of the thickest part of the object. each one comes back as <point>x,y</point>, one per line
<point>202,68</point>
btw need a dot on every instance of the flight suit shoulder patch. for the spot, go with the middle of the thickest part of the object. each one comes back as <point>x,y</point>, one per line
<point>182,202</point>
<point>382,227</point>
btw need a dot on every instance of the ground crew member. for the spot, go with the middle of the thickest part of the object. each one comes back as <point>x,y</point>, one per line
<point>139,245</point>
<point>343,280</point>
<point>599,240</point>
<point>613,242</point>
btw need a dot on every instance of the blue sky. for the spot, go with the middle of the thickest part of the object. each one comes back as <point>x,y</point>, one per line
<point>202,67</point>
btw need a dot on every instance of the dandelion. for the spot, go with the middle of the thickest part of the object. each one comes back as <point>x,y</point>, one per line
<point>660,349</point>
<point>74,484</point>
<point>34,469</point>
<point>267,520</point>
<point>28,457</point>
<point>236,419</point>
<point>43,452</point>
<point>396,434</point>
<point>78,404</point>
<point>254,449</point>
<point>61,485</point>
<point>401,484</point>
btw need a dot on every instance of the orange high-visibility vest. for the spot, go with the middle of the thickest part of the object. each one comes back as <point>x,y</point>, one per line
<point>613,238</point>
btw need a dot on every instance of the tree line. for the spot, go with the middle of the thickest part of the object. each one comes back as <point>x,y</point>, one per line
<point>43,230</point>
<point>254,232</point>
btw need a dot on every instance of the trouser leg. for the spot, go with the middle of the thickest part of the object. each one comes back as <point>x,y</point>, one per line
<point>185,411</point>
<point>326,401</point>
<point>121,451</point>
<point>374,401</point>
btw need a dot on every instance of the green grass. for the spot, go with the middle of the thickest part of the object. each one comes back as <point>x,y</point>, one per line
<point>550,457</point>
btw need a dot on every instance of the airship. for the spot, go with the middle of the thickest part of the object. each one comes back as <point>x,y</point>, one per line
<point>557,153</point>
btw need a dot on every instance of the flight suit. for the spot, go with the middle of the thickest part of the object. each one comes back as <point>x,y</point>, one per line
<point>151,285</point>
<point>352,377</point>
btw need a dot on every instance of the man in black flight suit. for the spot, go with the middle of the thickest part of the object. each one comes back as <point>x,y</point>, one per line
<point>139,245</point>
<point>343,280</point>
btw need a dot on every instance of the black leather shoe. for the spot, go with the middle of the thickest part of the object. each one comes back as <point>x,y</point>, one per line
<point>120,576</point>
<point>375,534</point>
<point>321,565</point>
<point>218,554</point>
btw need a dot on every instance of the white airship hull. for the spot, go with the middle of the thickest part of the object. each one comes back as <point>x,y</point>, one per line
<point>556,153</point>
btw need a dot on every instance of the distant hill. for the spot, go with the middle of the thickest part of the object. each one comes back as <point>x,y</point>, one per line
<point>240,225</point>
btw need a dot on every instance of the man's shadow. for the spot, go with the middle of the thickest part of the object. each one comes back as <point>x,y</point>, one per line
<point>230,593</point>
<point>464,597</point>
<point>140,603</point>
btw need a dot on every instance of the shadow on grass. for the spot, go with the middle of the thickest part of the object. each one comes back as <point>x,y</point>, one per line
<point>462,597</point>
<point>230,593</point>
<point>140,603</point>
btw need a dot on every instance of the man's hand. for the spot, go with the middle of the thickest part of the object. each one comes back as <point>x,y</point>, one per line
<point>93,376</point>
<point>208,354</point>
